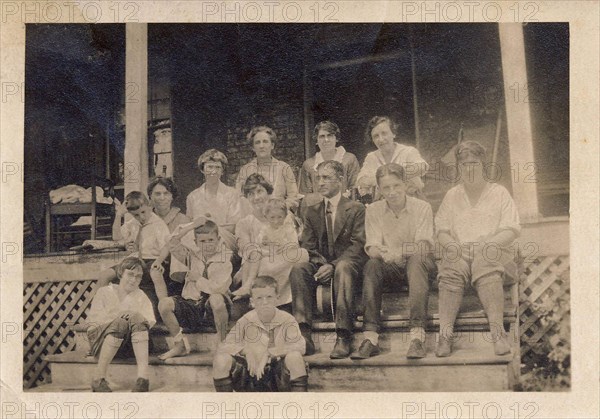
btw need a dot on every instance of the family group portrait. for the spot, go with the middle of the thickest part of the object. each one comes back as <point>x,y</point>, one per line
<point>340,207</point>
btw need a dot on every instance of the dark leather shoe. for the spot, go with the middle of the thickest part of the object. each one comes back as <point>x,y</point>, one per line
<point>366,350</point>
<point>100,386</point>
<point>310,345</point>
<point>416,350</point>
<point>341,349</point>
<point>142,385</point>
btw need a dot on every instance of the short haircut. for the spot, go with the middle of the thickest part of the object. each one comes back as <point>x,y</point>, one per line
<point>129,263</point>
<point>390,169</point>
<point>212,155</point>
<point>376,120</point>
<point>208,227</point>
<point>336,166</point>
<point>474,147</point>
<point>255,180</point>
<point>261,128</point>
<point>328,126</point>
<point>135,200</point>
<point>275,204</point>
<point>164,181</point>
<point>265,281</point>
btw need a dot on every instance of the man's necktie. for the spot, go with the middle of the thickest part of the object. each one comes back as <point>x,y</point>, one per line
<point>329,219</point>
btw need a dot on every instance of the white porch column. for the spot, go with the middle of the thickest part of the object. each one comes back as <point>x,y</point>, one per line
<point>518,118</point>
<point>136,107</point>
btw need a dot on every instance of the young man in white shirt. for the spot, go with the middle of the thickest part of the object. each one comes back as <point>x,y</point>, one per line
<point>399,230</point>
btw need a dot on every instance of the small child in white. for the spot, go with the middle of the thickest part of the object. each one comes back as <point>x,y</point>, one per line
<point>204,300</point>
<point>279,251</point>
<point>263,352</point>
<point>120,317</point>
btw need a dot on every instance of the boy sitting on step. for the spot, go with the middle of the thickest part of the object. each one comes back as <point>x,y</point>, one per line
<point>120,317</point>
<point>144,235</point>
<point>204,299</point>
<point>263,352</point>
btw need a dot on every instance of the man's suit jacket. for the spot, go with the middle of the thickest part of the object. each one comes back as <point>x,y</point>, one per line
<point>348,231</point>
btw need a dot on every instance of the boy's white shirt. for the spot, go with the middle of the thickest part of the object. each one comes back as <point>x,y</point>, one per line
<point>106,305</point>
<point>155,236</point>
<point>219,271</point>
<point>285,330</point>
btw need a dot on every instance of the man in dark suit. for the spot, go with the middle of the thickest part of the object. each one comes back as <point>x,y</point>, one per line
<point>334,235</point>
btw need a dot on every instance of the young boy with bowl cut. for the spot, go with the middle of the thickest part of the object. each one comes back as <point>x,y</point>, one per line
<point>263,352</point>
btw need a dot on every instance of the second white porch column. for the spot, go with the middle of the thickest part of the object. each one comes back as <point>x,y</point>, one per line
<point>518,118</point>
<point>136,107</point>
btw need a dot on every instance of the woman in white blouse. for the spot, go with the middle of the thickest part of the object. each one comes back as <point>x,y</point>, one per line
<point>214,199</point>
<point>382,131</point>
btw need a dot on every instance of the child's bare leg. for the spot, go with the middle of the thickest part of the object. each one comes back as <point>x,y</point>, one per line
<point>139,341</point>
<point>219,309</point>
<point>166,307</point>
<point>106,276</point>
<point>159,283</point>
<point>109,349</point>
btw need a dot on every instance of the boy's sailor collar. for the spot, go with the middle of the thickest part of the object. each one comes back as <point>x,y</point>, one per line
<point>278,319</point>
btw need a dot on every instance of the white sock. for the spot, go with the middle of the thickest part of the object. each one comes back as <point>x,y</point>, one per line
<point>372,336</point>
<point>417,333</point>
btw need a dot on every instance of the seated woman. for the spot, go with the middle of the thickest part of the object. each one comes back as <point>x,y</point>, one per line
<point>215,200</point>
<point>250,232</point>
<point>475,224</point>
<point>120,318</point>
<point>382,131</point>
<point>279,174</point>
<point>162,191</point>
<point>327,136</point>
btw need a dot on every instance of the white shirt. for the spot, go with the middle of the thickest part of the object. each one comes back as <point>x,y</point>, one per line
<point>218,270</point>
<point>224,208</point>
<point>150,237</point>
<point>106,305</point>
<point>282,332</point>
<point>412,225</point>
<point>406,156</point>
<point>334,204</point>
<point>494,211</point>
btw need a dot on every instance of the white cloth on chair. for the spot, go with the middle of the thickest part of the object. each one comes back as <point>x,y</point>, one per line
<point>73,194</point>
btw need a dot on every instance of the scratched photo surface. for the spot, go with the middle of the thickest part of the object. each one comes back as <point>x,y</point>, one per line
<point>180,236</point>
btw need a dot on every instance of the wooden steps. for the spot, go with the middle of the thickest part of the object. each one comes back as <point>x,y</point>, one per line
<point>473,365</point>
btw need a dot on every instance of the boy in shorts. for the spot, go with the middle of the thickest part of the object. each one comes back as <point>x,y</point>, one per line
<point>144,235</point>
<point>204,300</point>
<point>263,352</point>
<point>120,317</point>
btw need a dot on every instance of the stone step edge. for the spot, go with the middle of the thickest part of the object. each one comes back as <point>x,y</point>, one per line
<point>318,360</point>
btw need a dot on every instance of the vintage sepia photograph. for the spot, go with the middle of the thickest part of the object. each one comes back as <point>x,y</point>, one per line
<point>300,207</point>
